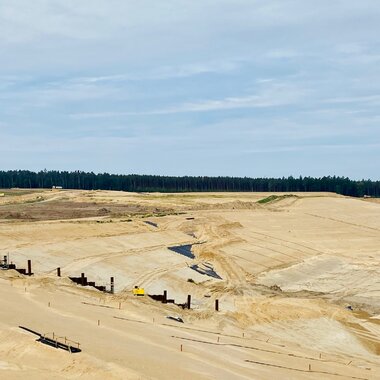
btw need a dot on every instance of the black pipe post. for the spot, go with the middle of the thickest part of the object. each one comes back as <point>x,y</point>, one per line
<point>82,279</point>
<point>59,272</point>
<point>29,267</point>
<point>217,305</point>
<point>165,299</point>
<point>189,301</point>
<point>112,285</point>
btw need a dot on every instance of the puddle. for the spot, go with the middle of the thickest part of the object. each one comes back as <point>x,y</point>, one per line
<point>184,250</point>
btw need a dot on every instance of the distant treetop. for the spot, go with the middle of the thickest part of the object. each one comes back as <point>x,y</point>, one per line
<point>154,183</point>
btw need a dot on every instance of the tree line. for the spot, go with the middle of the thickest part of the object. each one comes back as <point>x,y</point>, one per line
<point>154,183</point>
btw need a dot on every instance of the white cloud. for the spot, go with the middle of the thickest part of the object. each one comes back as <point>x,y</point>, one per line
<point>295,70</point>
<point>252,101</point>
<point>166,72</point>
<point>271,94</point>
<point>372,100</point>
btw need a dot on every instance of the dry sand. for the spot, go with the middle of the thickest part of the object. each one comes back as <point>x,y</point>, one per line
<point>284,273</point>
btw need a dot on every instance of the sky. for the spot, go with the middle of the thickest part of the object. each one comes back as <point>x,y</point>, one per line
<point>256,88</point>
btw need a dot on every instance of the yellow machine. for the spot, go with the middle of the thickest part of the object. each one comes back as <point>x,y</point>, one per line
<point>138,291</point>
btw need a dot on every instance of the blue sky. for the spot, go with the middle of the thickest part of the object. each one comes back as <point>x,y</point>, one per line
<point>212,87</point>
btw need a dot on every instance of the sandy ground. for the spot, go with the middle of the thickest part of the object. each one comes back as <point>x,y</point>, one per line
<point>284,272</point>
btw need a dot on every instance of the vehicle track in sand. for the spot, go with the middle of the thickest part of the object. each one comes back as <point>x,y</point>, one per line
<point>219,236</point>
<point>293,258</point>
<point>287,241</point>
<point>94,259</point>
<point>148,277</point>
<point>282,245</point>
<point>271,258</point>
<point>344,222</point>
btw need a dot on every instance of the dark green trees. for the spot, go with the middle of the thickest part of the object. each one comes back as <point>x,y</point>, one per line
<point>151,183</point>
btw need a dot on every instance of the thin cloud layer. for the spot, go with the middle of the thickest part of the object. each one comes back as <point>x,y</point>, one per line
<point>243,87</point>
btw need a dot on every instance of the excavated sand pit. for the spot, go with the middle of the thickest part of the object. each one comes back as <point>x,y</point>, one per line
<point>297,279</point>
